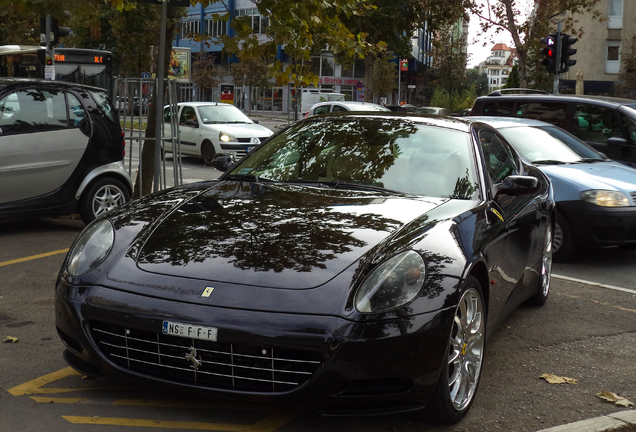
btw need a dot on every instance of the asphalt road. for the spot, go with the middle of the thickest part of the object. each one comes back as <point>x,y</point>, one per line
<point>584,332</point>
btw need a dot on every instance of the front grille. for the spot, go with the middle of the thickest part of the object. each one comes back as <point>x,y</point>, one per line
<point>223,366</point>
<point>633,194</point>
<point>249,140</point>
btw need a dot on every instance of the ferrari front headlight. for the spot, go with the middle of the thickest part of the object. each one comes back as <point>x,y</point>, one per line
<point>91,249</point>
<point>392,284</point>
<point>605,198</point>
<point>226,137</point>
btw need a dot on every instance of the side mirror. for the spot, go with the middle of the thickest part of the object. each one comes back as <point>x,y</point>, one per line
<point>518,185</point>
<point>255,121</point>
<point>616,142</point>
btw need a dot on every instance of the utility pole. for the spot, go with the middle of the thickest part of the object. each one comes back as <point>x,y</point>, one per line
<point>49,67</point>
<point>555,86</point>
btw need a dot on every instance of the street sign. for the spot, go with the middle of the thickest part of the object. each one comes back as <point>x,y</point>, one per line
<point>145,74</point>
<point>180,3</point>
<point>404,65</point>
<point>49,72</point>
<point>411,86</point>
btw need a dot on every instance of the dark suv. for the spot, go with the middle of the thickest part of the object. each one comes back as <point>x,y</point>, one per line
<point>607,124</point>
<point>61,150</point>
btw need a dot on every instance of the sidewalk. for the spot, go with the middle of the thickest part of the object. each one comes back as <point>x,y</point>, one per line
<point>623,421</point>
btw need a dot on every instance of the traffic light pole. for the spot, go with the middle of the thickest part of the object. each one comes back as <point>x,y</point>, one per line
<point>50,58</point>
<point>555,87</point>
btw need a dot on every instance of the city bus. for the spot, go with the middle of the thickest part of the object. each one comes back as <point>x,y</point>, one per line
<point>84,66</point>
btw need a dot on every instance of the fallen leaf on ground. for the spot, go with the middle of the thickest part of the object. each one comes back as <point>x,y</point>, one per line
<point>613,397</point>
<point>11,339</point>
<point>553,379</point>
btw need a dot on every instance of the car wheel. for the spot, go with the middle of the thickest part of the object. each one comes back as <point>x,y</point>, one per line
<point>455,390</point>
<point>207,152</point>
<point>102,196</point>
<point>563,247</point>
<point>543,290</point>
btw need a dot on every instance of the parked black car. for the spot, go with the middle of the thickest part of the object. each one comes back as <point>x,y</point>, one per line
<point>607,124</point>
<point>354,263</point>
<point>61,150</point>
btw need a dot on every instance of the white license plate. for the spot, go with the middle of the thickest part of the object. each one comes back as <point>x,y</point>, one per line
<point>189,331</point>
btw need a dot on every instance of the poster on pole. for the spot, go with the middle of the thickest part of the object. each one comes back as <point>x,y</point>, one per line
<point>227,93</point>
<point>404,65</point>
<point>179,67</point>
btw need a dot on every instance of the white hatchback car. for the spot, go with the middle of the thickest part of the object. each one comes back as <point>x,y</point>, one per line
<point>208,128</point>
<point>339,106</point>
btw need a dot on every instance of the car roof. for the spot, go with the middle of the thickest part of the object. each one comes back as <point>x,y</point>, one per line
<point>460,124</point>
<point>198,104</point>
<point>10,82</point>
<point>606,100</point>
<point>346,103</point>
<point>506,122</point>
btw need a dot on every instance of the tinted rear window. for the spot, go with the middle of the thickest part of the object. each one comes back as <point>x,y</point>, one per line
<point>104,103</point>
<point>499,108</point>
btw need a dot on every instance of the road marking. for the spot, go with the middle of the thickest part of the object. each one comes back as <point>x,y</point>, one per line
<point>35,386</point>
<point>268,424</point>
<point>33,257</point>
<point>57,400</point>
<point>600,285</point>
<point>598,302</point>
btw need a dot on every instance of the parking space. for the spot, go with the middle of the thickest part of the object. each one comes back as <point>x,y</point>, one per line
<point>584,332</point>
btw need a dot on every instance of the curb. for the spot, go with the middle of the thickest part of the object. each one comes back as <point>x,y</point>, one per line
<point>617,422</point>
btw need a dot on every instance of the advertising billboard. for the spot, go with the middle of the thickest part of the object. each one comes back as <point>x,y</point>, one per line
<point>179,67</point>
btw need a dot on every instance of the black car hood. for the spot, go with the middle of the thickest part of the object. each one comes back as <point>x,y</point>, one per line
<point>274,235</point>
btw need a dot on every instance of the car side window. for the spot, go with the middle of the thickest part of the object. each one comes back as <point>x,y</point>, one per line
<point>76,112</point>
<point>338,108</point>
<point>500,162</point>
<point>549,112</point>
<point>33,110</point>
<point>595,123</point>
<point>321,109</point>
<point>499,108</point>
<point>630,126</point>
<point>188,113</point>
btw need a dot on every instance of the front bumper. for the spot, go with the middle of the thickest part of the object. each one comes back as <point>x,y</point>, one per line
<point>595,226</point>
<point>328,363</point>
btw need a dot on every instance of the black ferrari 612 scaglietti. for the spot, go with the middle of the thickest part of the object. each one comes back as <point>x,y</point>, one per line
<point>353,263</point>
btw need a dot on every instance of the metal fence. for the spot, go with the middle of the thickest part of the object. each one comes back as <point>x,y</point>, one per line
<point>132,101</point>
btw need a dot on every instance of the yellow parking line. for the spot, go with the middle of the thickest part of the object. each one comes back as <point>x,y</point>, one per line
<point>266,425</point>
<point>35,386</point>
<point>33,257</point>
<point>57,400</point>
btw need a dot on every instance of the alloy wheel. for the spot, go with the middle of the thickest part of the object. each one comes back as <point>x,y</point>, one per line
<point>466,349</point>
<point>546,267</point>
<point>107,198</point>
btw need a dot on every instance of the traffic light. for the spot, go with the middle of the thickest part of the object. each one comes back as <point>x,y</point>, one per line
<point>550,53</point>
<point>56,31</point>
<point>566,51</point>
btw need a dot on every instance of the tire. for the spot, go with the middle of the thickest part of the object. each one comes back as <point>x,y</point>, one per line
<point>545,279</point>
<point>100,197</point>
<point>563,247</point>
<point>458,382</point>
<point>207,152</point>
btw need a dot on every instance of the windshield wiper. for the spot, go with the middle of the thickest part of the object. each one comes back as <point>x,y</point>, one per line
<point>337,184</point>
<point>590,160</point>
<point>549,162</point>
<point>247,177</point>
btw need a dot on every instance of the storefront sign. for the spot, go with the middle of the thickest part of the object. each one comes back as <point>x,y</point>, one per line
<point>227,93</point>
<point>337,80</point>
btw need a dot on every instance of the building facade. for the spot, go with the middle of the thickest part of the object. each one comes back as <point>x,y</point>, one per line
<point>598,56</point>
<point>498,65</point>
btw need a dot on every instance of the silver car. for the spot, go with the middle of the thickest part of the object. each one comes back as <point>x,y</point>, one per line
<point>61,150</point>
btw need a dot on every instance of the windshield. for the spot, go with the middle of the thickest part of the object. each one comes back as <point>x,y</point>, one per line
<point>548,143</point>
<point>210,114</point>
<point>381,153</point>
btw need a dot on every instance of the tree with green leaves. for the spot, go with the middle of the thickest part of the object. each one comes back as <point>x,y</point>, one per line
<point>513,78</point>
<point>450,64</point>
<point>527,27</point>
<point>250,72</point>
